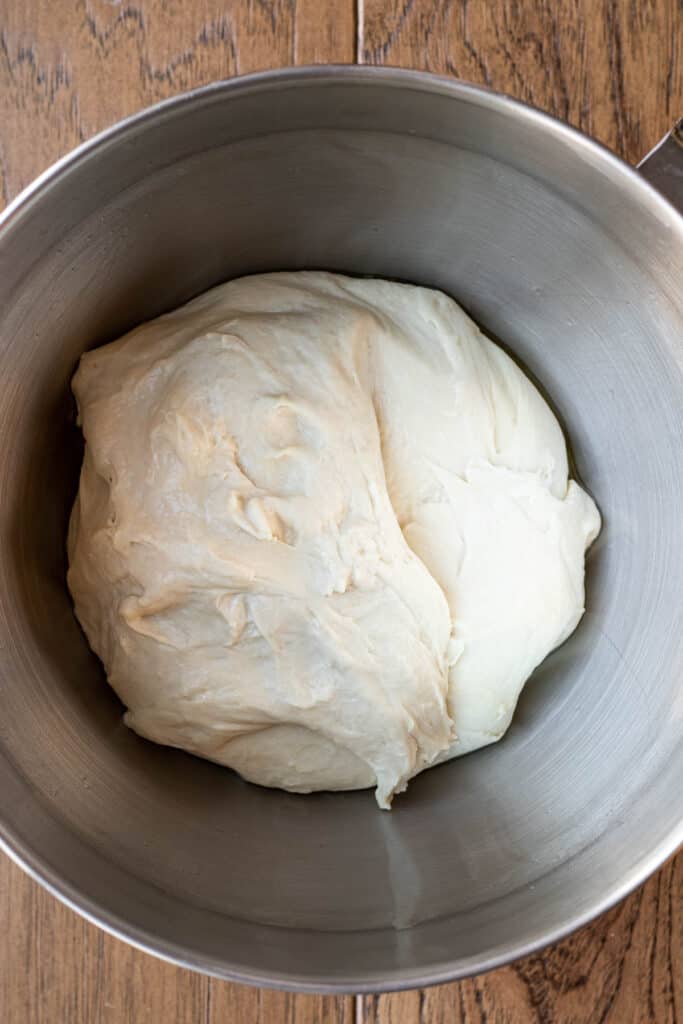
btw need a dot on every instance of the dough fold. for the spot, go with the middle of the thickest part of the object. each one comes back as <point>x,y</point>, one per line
<point>324,530</point>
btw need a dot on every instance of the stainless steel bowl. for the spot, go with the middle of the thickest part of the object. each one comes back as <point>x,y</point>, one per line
<point>553,245</point>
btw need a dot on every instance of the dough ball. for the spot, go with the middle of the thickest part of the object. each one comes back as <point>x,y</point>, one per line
<point>324,530</point>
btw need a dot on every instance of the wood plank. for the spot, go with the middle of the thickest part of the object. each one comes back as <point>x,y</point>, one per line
<point>68,69</point>
<point>325,32</point>
<point>234,1004</point>
<point>56,967</point>
<point>613,68</point>
<point>626,968</point>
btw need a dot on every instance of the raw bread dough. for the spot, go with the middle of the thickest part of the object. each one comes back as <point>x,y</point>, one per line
<point>324,531</point>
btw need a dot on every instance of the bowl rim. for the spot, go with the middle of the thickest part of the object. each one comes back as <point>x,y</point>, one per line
<point>641,191</point>
<point>422,81</point>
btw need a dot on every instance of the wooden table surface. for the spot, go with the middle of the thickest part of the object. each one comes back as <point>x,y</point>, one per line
<point>68,68</point>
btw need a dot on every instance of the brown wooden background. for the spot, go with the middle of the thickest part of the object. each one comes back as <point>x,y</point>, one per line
<point>70,67</point>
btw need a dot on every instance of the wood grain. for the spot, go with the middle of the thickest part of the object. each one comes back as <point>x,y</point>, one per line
<point>613,68</point>
<point>67,70</point>
<point>626,968</point>
<point>70,67</point>
<point>55,968</point>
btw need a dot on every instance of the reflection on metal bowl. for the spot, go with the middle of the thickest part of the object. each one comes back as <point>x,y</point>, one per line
<point>553,245</point>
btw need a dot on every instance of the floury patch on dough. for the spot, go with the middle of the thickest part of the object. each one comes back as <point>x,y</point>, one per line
<point>324,530</point>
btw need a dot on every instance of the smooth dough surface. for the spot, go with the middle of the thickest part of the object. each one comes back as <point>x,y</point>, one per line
<point>324,530</point>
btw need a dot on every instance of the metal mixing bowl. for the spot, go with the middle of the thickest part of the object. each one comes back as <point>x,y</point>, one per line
<point>553,245</point>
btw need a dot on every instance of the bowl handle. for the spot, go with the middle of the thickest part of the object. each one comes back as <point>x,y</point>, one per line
<point>663,166</point>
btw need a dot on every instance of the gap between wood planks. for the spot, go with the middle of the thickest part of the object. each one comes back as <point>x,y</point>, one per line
<point>360,44</point>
